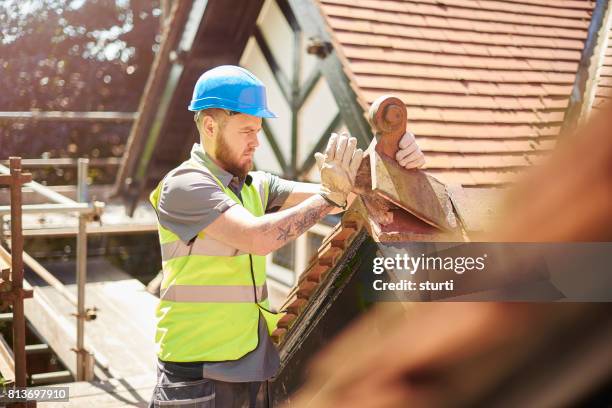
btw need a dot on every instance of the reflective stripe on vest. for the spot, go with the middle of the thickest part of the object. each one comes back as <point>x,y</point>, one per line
<point>218,294</point>
<point>201,246</point>
<point>212,294</point>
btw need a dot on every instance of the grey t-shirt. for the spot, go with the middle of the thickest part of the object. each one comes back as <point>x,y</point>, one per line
<point>189,201</point>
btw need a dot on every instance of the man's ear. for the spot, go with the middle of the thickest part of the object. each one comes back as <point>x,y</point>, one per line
<point>208,127</point>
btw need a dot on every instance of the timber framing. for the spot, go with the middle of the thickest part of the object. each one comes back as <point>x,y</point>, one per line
<point>294,94</point>
<point>313,26</point>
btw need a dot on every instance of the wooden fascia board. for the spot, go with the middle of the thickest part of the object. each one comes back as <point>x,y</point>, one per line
<point>596,64</point>
<point>591,58</point>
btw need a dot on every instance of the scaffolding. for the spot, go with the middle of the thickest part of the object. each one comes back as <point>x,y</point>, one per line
<point>12,277</point>
<point>86,212</point>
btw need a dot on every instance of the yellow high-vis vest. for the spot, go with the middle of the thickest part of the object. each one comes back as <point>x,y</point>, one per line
<point>212,295</point>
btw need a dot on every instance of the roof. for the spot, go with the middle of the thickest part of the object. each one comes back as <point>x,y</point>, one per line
<point>329,295</point>
<point>486,86</point>
<point>365,220</point>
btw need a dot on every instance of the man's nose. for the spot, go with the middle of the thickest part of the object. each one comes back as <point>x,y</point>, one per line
<point>254,142</point>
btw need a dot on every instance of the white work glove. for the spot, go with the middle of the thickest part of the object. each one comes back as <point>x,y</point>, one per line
<point>409,155</point>
<point>338,167</point>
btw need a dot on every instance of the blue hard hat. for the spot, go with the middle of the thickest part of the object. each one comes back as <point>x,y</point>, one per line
<point>233,88</point>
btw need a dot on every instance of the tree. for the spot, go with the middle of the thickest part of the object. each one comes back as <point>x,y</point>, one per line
<point>75,55</point>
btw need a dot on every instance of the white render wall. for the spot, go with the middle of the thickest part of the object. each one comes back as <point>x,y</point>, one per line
<point>319,108</point>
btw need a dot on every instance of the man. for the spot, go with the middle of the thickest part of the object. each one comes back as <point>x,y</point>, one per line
<point>217,221</point>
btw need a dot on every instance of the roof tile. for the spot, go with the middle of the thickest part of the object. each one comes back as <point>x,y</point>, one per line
<point>492,38</point>
<point>295,305</point>
<point>483,83</point>
<point>488,23</point>
<point>441,145</point>
<point>306,289</point>
<point>481,161</point>
<point>278,335</point>
<point>287,321</point>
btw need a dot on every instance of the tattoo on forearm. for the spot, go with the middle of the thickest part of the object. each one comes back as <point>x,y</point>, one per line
<point>301,224</point>
<point>284,233</point>
<point>301,221</point>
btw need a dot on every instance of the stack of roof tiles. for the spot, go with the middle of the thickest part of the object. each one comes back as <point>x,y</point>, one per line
<point>326,258</point>
<point>486,82</point>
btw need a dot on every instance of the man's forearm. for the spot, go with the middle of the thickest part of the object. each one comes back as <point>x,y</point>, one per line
<point>277,229</point>
<point>303,191</point>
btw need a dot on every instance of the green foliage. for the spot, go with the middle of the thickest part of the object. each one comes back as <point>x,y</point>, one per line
<point>65,55</point>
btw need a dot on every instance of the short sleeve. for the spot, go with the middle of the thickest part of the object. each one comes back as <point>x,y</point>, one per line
<point>190,200</point>
<point>278,192</point>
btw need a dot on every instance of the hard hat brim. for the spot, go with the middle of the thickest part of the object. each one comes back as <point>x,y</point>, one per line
<point>259,112</point>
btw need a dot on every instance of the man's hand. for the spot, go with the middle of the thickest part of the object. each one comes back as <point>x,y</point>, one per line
<point>338,168</point>
<point>409,154</point>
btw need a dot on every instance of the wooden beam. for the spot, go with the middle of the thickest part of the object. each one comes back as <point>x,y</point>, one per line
<point>308,86</point>
<point>7,179</point>
<point>284,7</point>
<point>66,162</point>
<point>149,102</point>
<point>57,331</point>
<point>37,348</point>
<point>295,92</point>
<point>7,361</point>
<point>5,264</point>
<point>101,192</point>
<point>6,317</point>
<point>274,145</point>
<point>281,78</point>
<point>91,230</point>
<point>54,377</point>
<point>69,116</point>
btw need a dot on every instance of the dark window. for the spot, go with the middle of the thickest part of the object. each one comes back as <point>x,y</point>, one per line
<point>314,241</point>
<point>285,256</point>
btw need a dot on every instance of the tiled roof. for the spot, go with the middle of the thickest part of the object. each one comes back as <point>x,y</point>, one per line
<point>326,258</point>
<point>360,220</point>
<point>486,83</point>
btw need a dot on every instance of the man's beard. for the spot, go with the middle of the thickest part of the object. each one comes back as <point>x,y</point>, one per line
<point>223,156</point>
